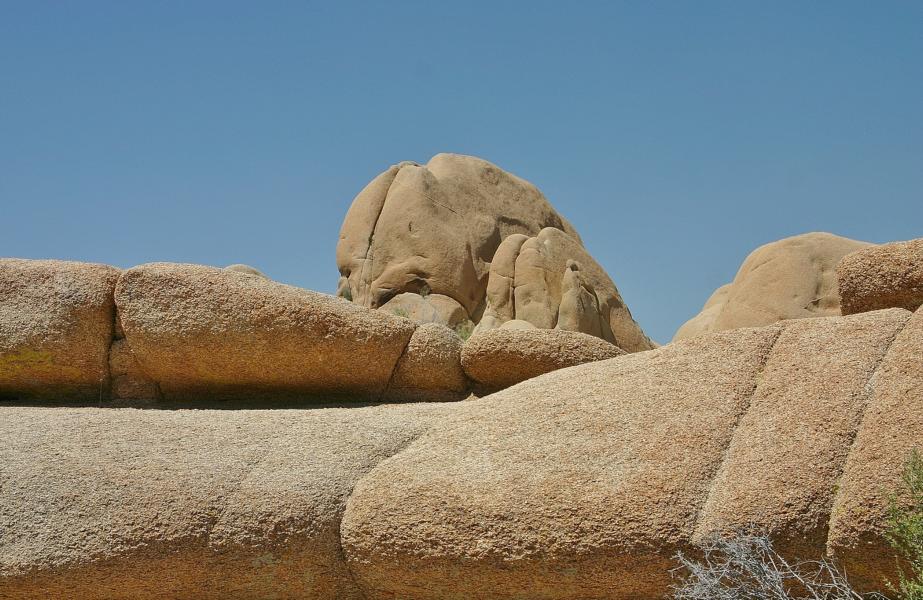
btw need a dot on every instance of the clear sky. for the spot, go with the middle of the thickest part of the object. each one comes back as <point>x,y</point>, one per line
<point>676,136</point>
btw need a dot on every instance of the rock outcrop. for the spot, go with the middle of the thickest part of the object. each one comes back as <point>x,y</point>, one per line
<point>583,483</point>
<point>551,281</point>
<point>187,504</point>
<point>205,332</point>
<point>435,227</point>
<point>792,278</point>
<point>430,367</point>
<point>432,308</point>
<point>499,358</point>
<point>890,275</point>
<point>56,325</point>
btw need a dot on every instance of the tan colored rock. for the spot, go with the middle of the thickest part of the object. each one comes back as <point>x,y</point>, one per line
<point>783,466</point>
<point>240,268</point>
<point>555,280</point>
<point>204,332</point>
<point>430,367</point>
<point>128,381</point>
<point>435,227</point>
<point>128,504</point>
<point>892,426</point>
<point>433,308</point>
<point>581,483</point>
<point>500,358</point>
<point>793,278</point>
<point>56,324</point>
<point>884,276</point>
<point>518,324</point>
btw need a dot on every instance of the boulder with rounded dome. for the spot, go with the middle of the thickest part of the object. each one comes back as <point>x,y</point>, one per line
<point>551,281</point>
<point>430,367</point>
<point>890,275</point>
<point>432,308</point>
<point>436,227</point>
<point>793,278</point>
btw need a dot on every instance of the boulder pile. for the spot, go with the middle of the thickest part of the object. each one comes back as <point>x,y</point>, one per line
<point>475,414</point>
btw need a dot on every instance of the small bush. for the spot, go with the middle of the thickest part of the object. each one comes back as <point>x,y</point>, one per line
<point>747,567</point>
<point>905,528</point>
<point>464,329</point>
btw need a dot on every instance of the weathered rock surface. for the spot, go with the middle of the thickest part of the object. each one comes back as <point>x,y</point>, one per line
<point>499,358</point>
<point>204,332</point>
<point>241,268</point>
<point>204,504</point>
<point>430,367</point>
<point>128,381</point>
<point>792,278</point>
<point>434,308</point>
<point>583,483</point>
<point>56,324</point>
<point>551,281</point>
<point>436,227</point>
<point>891,427</point>
<point>890,275</point>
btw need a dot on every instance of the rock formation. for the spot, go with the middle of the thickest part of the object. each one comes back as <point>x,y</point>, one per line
<point>466,233</point>
<point>882,276</point>
<point>792,278</point>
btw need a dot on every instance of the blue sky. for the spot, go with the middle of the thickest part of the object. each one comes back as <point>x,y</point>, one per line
<point>676,136</point>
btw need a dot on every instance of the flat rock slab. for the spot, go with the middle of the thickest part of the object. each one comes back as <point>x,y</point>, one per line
<point>56,325</point>
<point>186,504</point>
<point>203,332</point>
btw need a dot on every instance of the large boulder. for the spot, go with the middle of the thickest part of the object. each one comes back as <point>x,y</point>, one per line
<point>793,278</point>
<point>56,325</point>
<point>884,276</point>
<point>128,504</point>
<point>435,227</point>
<point>499,358</point>
<point>204,332</point>
<point>551,281</point>
<point>431,308</point>
<point>584,483</point>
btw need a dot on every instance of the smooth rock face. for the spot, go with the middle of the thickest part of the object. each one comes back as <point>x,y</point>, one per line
<point>435,227</point>
<point>793,278</point>
<point>208,333</point>
<point>583,483</point>
<point>56,325</point>
<point>499,358</point>
<point>551,281</point>
<point>434,308</point>
<point>430,367</point>
<point>884,276</point>
<point>186,505</point>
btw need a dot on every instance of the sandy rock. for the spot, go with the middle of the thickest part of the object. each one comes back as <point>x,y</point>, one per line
<point>500,358</point>
<point>884,276</point>
<point>784,463</point>
<point>793,278</point>
<point>435,226</point>
<point>204,332</point>
<point>892,426</point>
<point>517,324</point>
<point>240,268</point>
<point>430,367</point>
<point>186,505</point>
<point>433,308</point>
<point>553,280</point>
<point>578,484</point>
<point>56,324</point>
<point>128,382</point>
